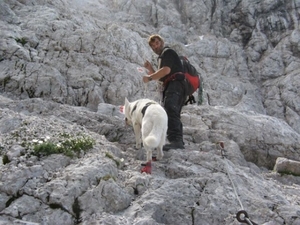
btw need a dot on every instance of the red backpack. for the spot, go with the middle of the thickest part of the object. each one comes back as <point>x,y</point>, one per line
<point>191,74</point>
<point>193,78</point>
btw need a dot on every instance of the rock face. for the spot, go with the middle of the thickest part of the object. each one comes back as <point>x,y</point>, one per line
<point>67,65</point>
<point>284,165</point>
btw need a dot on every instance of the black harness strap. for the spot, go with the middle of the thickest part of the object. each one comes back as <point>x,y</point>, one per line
<point>134,108</point>
<point>145,107</point>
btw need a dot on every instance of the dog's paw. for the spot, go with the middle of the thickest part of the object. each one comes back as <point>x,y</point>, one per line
<point>138,146</point>
<point>146,168</point>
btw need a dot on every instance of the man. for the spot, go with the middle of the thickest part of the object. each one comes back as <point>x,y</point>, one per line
<point>170,72</point>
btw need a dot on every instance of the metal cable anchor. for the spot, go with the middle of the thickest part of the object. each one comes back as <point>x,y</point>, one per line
<point>223,152</point>
<point>242,215</point>
<point>244,218</point>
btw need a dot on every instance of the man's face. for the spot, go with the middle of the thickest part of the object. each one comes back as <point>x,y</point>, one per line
<point>157,46</point>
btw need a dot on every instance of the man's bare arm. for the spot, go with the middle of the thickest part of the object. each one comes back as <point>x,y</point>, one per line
<point>157,75</point>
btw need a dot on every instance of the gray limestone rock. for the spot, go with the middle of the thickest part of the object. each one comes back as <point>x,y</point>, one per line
<point>67,66</point>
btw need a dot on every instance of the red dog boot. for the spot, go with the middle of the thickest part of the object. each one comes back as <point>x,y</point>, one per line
<point>146,168</point>
<point>121,108</point>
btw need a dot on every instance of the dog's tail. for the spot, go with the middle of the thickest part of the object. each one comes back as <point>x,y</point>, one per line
<point>151,141</point>
<point>155,137</point>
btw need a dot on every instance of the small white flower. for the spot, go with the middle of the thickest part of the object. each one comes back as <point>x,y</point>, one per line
<point>122,160</point>
<point>35,141</point>
<point>58,145</point>
<point>40,142</point>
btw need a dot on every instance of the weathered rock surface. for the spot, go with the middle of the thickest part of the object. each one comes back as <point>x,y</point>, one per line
<point>288,166</point>
<point>66,66</point>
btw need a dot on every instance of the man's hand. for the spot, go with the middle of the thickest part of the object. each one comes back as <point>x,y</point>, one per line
<point>146,78</point>
<point>149,67</point>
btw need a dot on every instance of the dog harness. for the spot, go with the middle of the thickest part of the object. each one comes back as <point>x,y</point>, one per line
<point>146,106</point>
<point>134,108</point>
<point>143,109</point>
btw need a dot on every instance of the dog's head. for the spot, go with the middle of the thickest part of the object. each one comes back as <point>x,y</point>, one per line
<point>127,110</point>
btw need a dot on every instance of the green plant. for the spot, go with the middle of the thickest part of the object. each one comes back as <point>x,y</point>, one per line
<point>5,80</point>
<point>107,177</point>
<point>288,173</point>
<point>45,149</point>
<point>111,157</point>
<point>5,159</point>
<point>77,211</point>
<point>68,147</point>
<point>22,41</point>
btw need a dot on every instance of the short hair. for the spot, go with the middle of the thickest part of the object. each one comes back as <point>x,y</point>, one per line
<point>153,37</point>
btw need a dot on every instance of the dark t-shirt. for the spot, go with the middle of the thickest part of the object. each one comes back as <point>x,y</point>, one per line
<point>170,59</point>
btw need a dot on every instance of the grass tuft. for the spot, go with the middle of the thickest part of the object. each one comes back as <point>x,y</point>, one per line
<point>69,147</point>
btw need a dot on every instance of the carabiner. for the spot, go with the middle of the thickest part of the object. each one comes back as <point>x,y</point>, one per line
<point>245,218</point>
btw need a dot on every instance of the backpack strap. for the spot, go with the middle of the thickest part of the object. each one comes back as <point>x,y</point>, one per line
<point>161,55</point>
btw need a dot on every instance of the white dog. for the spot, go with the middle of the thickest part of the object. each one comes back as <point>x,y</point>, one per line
<point>150,124</point>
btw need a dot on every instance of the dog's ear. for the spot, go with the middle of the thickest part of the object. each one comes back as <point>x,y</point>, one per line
<point>126,102</point>
<point>126,105</point>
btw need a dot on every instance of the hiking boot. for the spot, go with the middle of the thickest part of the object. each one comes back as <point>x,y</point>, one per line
<point>173,145</point>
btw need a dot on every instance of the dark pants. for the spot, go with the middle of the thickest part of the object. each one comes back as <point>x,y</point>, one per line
<point>174,99</point>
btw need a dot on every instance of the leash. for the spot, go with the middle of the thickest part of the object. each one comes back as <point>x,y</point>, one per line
<point>143,71</point>
<point>146,93</point>
<point>242,215</point>
<point>160,89</point>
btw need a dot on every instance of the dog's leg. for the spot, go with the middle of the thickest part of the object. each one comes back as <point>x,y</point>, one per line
<point>138,138</point>
<point>160,153</point>
<point>149,153</point>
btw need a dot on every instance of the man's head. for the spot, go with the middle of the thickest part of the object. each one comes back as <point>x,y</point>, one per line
<point>156,42</point>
